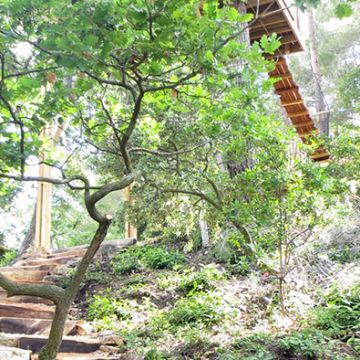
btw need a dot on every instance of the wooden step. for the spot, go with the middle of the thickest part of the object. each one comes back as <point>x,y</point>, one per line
<point>24,275</point>
<point>48,261</point>
<point>26,310</point>
<point>76,252</point>
<point>97,355</point>
<point>73,344</point>
<point>49,267</point>
<point>26,326</point>
<point>12,353</point>
<point>4,299</point>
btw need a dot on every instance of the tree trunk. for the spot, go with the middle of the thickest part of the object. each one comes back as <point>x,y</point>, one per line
<point>30,235</point>
<point>204,230</point>
<point>322,119</point>
<point>63,306</point>
<point>235,167</point>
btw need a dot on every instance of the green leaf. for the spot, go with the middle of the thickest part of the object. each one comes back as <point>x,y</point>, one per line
<point>343,10</point>
<point>232,14</point>
<point>209,56</point>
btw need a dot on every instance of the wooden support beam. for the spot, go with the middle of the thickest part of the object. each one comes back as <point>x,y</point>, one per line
<point>287,90</point>
<point>324,155</point>
<point>43,202</point>
<point>279,29</point>
<point>288,39</point>
<point>298,114</point>
<point>285,76</point>
<point>130,229</point>
<point>291,103</point>
<point>268,22</point>
<point>303,124</point>
<point>312,132</point>
<point>253,3</point>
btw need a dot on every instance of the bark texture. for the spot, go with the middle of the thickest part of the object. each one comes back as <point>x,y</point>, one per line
<point>63,306</point>
<point>30,235</point>
<point>320,106</point>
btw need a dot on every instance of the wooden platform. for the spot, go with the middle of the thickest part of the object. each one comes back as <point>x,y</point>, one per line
<point>295,107</point>
<point>280,17</point>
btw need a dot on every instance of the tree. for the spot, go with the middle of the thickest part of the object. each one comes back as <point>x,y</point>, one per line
<point>323,115</point>
<point>133,65</point>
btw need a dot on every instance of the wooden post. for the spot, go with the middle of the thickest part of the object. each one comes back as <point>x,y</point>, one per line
<point>43,204</point>
<point>130,229</point>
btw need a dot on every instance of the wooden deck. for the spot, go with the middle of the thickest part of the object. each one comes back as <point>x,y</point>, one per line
<point>285,20</point>
<point>295,107</point>
<point>281,18</point>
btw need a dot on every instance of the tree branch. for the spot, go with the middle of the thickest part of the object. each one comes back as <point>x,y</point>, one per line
<point>91,200</point>
<point>113,82</point>
<point>166,153</point>
<point>51,292</point>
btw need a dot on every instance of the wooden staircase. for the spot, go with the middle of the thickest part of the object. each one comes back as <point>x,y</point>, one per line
<point>25,321</point>
<point>295,108</point>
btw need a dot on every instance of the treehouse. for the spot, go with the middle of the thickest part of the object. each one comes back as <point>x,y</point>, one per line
<point>288,22</point>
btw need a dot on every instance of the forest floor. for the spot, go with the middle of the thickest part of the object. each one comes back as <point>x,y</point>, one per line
<point>167,305</point>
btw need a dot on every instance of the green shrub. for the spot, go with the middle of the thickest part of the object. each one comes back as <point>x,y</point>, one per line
<point>305,344</point>
<point>201,307</point>
<point>127,261</point>
<point>8,257</point>
<point>341,314</point>
<point>138,257</point>
<point>105,307</point>
<point>239,265</point>
<point>154,354</point>
<point>344,255</point>
<point>254,347</point>
<point>161,258</point>
<point>201,280</point>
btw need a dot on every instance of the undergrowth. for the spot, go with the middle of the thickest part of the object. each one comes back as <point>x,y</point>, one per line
<point>8,257</point>
<point>137,257</point>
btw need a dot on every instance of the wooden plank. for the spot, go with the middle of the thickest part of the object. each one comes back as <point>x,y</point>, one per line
<point>23,299</point>
<point>27,310</point>
<point>269,21</point>
<point>28,326</point>
<point>279,29</point>
<point>253,3</point>
<point>79,345</point>
<point>298,114</point>
<point>321,156</point>
<point>304,124</point>
<point>130,229</point>
<point>291,103</point>
<point>305,134</point>
<point>17,274</point>
<point>288,39</point>
<point>285,76</point>
<point>287,90</point>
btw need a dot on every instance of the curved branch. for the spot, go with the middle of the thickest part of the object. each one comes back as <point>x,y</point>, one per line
<point>51,292</point>
<point>66,181</point>
<point>29,72</point>
<point>167,153</point>
<point>113,82</point>
<point>129,130</point>
<point>195,193</point>
<point>91,200</point>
